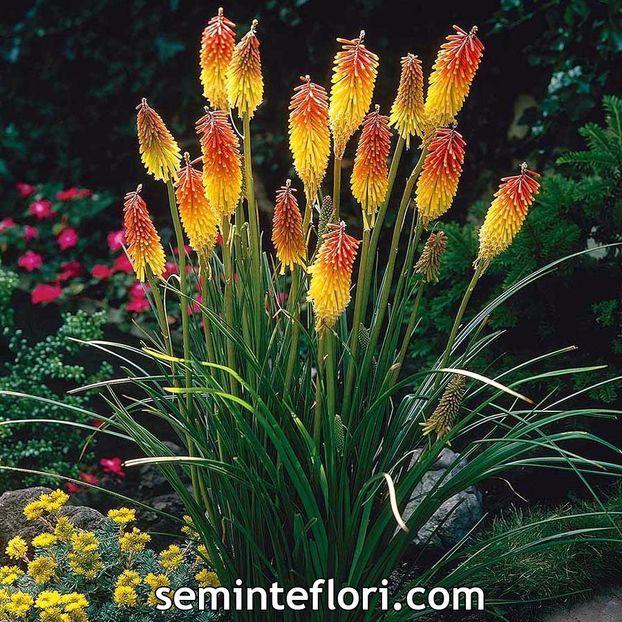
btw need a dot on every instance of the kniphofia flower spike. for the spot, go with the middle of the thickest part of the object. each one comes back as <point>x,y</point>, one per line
<point>369,179</point>
<point>158,150</point>
<point>331,275</point>
<point>438,182</point>
<point>452,74</point>
<point>222,173</point>
<point>309,134</point>
<point>507,213</point>
<point>354,77</point>
<point>197,215</point>
<point>143,242</point>
<point>408,110</point>
<point>287,233</point>
<point>217,45</point>
<point>244,79</point>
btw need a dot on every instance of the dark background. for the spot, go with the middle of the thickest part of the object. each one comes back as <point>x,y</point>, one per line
<point>73,72</point>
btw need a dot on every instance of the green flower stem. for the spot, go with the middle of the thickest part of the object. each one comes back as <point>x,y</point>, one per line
<point>253,223</point>
<point>395,162</point>
<point>336,187</point>
<point>479,270</point>
<point>317,419</point>
<point>228,269</point>
<point>294,312</point>
<point>197,486</point>
<point>408,335</point>
<point>162,319</point>
<point>207,327</point>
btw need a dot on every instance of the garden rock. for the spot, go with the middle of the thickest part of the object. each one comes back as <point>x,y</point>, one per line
<point>14,523</point>
<point>455,517</point>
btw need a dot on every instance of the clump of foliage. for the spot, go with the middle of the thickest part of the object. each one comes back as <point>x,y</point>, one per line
<point>580,206</point>
<point>45,369</point>
<point>518,568</point>
<point>109,574</point>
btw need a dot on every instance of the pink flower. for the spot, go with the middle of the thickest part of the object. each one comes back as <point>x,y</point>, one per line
<point>73,193</point>
<point>24,190</point>
<point>72,488</point>
<point>187,248</point>
<point>30,261</point>
<point>30,232</point>
<point>116,240</point>
<point>89,478</point>
<point>6,224</point>
<point>219,239</point>
<point>170,268</point>
<point>195,306</point>
<point>122,264</point>
<point>45,293</point>
<point>69,270</point>
<point>113,466</point>
<point>41,209</point>
<point>101,271</point>
<point>137,290</point>
<point>67,238</point>
<point>138,305</point>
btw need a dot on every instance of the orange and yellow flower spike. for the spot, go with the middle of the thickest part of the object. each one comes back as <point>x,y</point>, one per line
<point>197,216</point>
<point>331,275</point>
<point>222,173</point>
<point>452,74</point>
<point>370,174</point>
<point>438,182</point>
<point>354,76</point>
<point>408,110</point>
<point>507,213</point>
<point>244,79</point>
<point>217,45</point>
<point>158,150</point>
<point>309,134</point>
<point>143,242</point>
<point>287,235</point>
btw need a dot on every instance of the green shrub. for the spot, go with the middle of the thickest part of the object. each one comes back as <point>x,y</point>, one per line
<point>42,368</point>
<point>580,205</point>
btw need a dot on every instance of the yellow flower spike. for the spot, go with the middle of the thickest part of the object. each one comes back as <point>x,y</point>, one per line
<point>438,182</point>
<point>143,242</point>
<point>331,275</point>
<point>507,213</point>
<point>408,110</point>
<point>370,174</point>
<point>158,150</point>
<point>448,408</point>
<point>217,43</point>
<point>452,74</point>
<point>197,216</point>
<point>354,76</point>
<point>287,234</point>
<point>429,263</point>
<point>244,79</point>
<point>309,134</point>
<point>222,172</point>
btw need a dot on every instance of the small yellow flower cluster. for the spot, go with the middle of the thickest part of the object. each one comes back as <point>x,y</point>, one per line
<point>52,502</point>
<point>85,556</point>
<point>17,548</point>
<point>154,581</point>
<point>207,578</point>
<point>10,574</point>
<point>57,607</point>
<point>134,541</point>
<point>43,540</point>
<point>189,529</point>
<point>42,569</point>
<point>122,516</point>
<point>16,605</point>
<point>172,557</point>
<point>125,594</point>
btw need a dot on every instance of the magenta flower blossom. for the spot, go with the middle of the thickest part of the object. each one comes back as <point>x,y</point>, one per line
<point>30,261</point>
<point>112,466</point>
<point>6,224</point>
<point>43,293</point>
<point>30,233</point>
<point>116,240</point>
<point>69,270</point>
<point>41,209</point>
<point>67,238</point>
<point>122,264</point>
<point>24,190</point>
<point>73,193</point>
<point>100,271</point>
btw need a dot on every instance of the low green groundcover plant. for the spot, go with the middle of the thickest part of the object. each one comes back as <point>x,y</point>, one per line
<point>46,369</point>
<point>109,574</point>
<point>301,453</point>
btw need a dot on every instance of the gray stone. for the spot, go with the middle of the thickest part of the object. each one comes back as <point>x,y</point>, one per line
<point>606,607</point>
<point>455,517</point>
<point>14,523</point>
